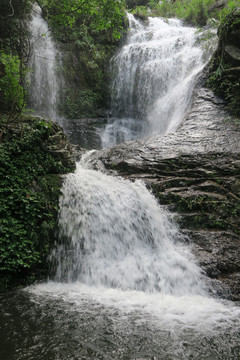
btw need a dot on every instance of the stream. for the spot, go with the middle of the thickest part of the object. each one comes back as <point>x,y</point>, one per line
<point>125,284</point>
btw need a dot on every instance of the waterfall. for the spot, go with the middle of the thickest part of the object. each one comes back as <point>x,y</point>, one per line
<point>153,77</point>
<point>125,285</point>
<point>116,235</point>
<point>45,58</point>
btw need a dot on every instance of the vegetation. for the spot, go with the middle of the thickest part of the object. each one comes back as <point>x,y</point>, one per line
<point>103,14</point>
<point>12,94</point>
<point>14,37</point>
<point>29,190</point>
<point>224,68</point>
<point>227,86</point>
<point>14,52</point>
<point>195,12</point>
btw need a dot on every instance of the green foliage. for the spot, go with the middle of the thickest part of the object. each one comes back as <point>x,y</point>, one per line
<point>13,29</point>
<point>104,14</point>
<point>141,12</point>
<point>28,199</point>
<point>193,11</point>
<point>224,73</point>
<point>11,91</point>
<point>132,4</point>
<point>84,105</point>
<point>226,85</point>
<point>14,52</point>
<point>230,7</point>
<point>196,12</point>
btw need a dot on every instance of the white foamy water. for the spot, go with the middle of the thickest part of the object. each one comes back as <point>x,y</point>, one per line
<point>196,313</point>
<point>45,58</point>
<point>123,256</point>
<point>153,76</point>
<point>116,235</point>
<point>125,285</point>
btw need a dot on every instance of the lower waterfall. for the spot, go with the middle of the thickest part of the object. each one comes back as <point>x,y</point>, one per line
<point>125,285</point>
<point>116,235</point>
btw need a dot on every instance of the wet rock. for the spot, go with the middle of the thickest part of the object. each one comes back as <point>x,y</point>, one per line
<point>218,5</point>
<point>58,146</point>
<point>103,113</point>
<point>85,132</point>
<point>225,66</point>
<point>195,173</point>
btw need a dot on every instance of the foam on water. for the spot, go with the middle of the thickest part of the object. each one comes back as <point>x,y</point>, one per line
<point>115,234</point>
<point>153,77</point>
<point>176,314</point>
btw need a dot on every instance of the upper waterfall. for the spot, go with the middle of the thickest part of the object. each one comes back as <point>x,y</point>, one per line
<point>153,77</point>
<point>44,82</point>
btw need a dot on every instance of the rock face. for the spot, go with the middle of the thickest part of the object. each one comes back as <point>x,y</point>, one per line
<point>225,67</point>
<point>85,131</point>
<point>195,173</point>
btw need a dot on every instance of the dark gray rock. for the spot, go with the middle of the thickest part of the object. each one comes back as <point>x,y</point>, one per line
<point>84,132</point>
<point>225,65</point>
<point>195,172</point>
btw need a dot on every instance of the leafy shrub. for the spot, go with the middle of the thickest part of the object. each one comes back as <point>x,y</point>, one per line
<point>13,29</point>
<point>131,4</point>
<point>83,105</point>
<point>195,12</point>
<point>12,95</point>
<point>224,73</point>
<point>230,7</point>
<point>141,12</point>
<point>29,193</point>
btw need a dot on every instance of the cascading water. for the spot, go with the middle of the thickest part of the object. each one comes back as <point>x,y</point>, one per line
<point>153,79</point>
<point>45,58</point>
<point>125,287</point>
<point>119,237</point>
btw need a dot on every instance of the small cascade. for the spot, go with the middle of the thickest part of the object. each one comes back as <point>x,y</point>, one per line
<point>153,76</point>
<point>116,235</point>
<point>45,58</point>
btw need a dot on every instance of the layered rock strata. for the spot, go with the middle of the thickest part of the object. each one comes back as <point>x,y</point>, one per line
<point>195,173</point>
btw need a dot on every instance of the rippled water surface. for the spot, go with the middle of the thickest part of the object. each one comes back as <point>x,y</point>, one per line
<point>72,321</point>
